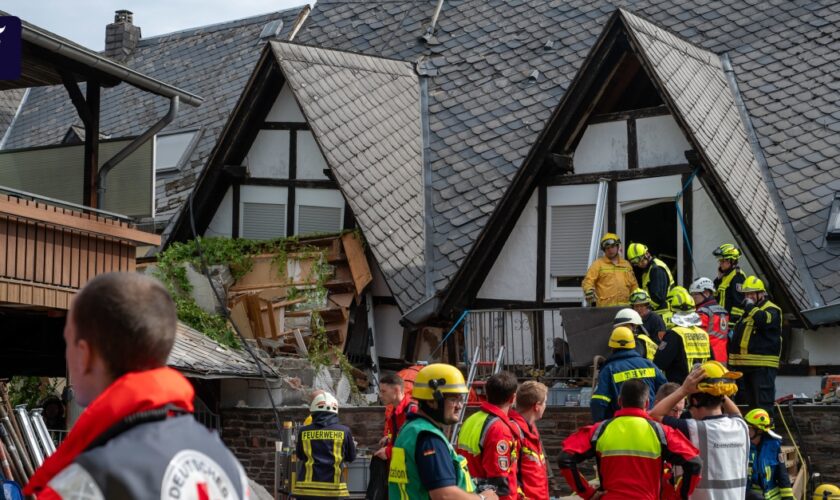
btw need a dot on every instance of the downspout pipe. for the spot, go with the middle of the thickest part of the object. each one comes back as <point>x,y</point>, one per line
<point>102,175</point>
<point>430,30</point>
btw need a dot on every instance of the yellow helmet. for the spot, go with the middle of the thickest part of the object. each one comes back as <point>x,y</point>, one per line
<point>826,491</point>
<point>635,252</point>
<point>719,380</point>
<point>609,240</point>
<point>639,296</point>
<point>679,299</point>
<point>752,284</point>
<point>727,251</point>
<point>622,338</point>
<point>437,379</point>
<point>759,418</point>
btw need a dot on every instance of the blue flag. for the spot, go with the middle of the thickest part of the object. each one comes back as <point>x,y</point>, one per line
<point>9,48</point>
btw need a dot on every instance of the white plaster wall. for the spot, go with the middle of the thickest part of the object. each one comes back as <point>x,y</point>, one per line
<point>269,155</point>
<point>310,161</point>
<point>821,346</point>
<point>222,223</point>
<point>660,142</point>
<point>710,231</point>
<point>379,287</point>
<point>514,274</point>
<point>388,331</point>
<point>263,194</point>
<point>603,147</point>
<point>285,108</point>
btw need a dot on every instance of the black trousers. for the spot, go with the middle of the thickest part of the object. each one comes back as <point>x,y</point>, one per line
<point>757,388</point>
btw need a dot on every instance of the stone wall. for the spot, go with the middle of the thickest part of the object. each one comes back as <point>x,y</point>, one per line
<point>250,433</point>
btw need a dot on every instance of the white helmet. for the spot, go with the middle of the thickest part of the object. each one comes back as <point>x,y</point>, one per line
<point>627,316</point>
<point>324,402</point>
<point>700,285</point>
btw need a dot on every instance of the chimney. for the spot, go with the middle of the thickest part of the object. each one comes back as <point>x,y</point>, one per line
<point>121,36</point>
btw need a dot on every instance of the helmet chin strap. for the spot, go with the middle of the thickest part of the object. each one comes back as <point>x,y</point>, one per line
<point>435,413</point>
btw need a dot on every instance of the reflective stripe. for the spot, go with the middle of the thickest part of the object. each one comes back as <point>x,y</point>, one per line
<point>646,280</point>
<point>630,453</point>
<point>720,293</point>
<point>339,457</point>
<point>650,347</point>
<point>310,460</point>
<point>601,396</point>
<point>76,482</point>
<point>633,374</point>
<point>767,360</point>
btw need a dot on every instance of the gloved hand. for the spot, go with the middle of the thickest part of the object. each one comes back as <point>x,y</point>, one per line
<point>590,297</point>
<point>748,304</point>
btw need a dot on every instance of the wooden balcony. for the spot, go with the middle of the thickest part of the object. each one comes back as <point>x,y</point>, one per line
<point>48,252</point>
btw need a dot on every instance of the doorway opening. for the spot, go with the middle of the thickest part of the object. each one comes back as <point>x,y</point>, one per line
<point>655,226</point>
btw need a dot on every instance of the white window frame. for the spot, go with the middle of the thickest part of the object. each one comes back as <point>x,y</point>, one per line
<point>329,198</point>
<point>185,155</point>
<point>586,194</point>
<point>262,194</point>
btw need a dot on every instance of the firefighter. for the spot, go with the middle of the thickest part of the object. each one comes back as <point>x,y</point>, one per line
<point>729,277</point>
<point>654,323</point>
<point>423,463</point>
<point>624,364</point>
<point>756,345</point>
<point>769,477</point>
<point>685,343</point>
<point>713,318</point>
<point>656,280</point>
<point>645,345</point>
<point>630,451</point>
<point>610,279</point>
<point>531,400</point>
<point>715,428</point>
<point>322,448</point>
<point>397,406</point>
<point>489,440</point>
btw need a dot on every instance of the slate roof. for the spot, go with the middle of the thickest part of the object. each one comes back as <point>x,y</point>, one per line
<point>9,103</point>
<point>365,114</point>
<point>485,113</point>
<point>196,355</point>
<point>212,61</point>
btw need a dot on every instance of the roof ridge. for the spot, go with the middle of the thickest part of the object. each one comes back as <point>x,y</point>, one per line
<point>209,28</point>
<point>297,58</point>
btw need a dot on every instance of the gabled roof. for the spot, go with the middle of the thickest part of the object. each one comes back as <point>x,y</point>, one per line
<point>365,114</point>
<point>213,61</point>
<point>485,114</point>
<point>196,355</point>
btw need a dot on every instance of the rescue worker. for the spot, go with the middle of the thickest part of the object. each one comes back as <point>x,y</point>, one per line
<point>756,345</point>
<point>610,279</point>
<point>769,479</point>
<point>645,345</point>
<point>136,439</point>
<point>653,322</point>
<point>397,407</point>
<point>656,280</point>
<point>489,440</point>
<point>729,277</point>
<point>423,463</point>
<point>715,428</point>
<point>685,343</point>
<point>624,364</point>
<point>531,400</point>
<point>322,448</point>
<point>713,318</point>
<point>630,451</point>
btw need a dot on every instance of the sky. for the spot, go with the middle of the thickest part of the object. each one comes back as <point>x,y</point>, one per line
<point>83,21</point>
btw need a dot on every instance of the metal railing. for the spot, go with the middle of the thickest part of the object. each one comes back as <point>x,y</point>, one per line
<point>206,417</point>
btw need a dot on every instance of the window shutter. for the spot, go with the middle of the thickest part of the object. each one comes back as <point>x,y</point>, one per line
<point>263,221</point>
<point>313,219</point>
<point>571,230</point>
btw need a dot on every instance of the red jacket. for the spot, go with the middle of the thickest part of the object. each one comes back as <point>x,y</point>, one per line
<point>630,448</point>
<point>532,463</point>
<point>715,320</point>
<point>395,419</point>
<point>496,463</point>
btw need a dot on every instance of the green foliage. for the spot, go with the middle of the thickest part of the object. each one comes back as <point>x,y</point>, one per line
<point>31,391</point>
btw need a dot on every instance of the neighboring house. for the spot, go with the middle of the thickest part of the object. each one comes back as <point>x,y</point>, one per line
<point>212,61</point>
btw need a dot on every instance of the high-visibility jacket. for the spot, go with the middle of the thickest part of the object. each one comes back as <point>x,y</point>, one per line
<point>612,283</point>
<point>394,420</point>
<point>768,474</point>
<point>715,321</point>
<point>680,349</point>
<point>630,450</point>
<point>322,448</point>
<point>657,281</point>
<point>646,346</point>
<point>490,443</point>
<point>533,468</point>
<point>621,366</point>
<point>757,340</point>
<point>724,447</point>
<point>404,478</point>
<point>728,295</point>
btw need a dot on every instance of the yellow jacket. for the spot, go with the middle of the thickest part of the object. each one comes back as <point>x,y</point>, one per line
<point>612,283</point>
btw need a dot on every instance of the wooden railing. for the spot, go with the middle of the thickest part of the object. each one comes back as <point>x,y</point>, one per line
<point>48,252</point>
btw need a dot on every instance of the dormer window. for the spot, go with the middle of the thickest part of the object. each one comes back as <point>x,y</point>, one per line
<point>833,230</point>
<point>172,151</point>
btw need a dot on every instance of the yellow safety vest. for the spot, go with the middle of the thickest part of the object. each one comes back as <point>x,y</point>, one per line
<point>646,280</point>
<point>629,436</point>
<point>696,344</point>
<point>650,345</point>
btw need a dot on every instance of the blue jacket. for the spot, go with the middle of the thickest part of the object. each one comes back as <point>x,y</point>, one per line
<point>322,447</point>
<point>621,366</point>
<point>768,473</point>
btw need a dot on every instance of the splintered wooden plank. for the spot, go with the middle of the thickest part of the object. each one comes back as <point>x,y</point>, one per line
<point>357,261</point>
